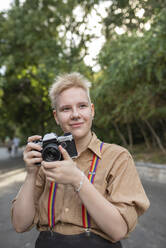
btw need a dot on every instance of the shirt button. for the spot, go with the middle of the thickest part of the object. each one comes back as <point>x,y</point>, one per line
<point>66,210</point>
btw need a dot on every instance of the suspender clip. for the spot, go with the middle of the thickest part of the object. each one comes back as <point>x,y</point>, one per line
<point>51,231</point>
<point>87,231</point>
<point>92,173</point>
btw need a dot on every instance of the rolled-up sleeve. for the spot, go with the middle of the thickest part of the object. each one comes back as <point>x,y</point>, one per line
<point>39,188</point>
<point>125,190</point>
<point>38,191</point>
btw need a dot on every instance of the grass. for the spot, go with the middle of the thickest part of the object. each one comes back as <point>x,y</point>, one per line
<point>152,155</point>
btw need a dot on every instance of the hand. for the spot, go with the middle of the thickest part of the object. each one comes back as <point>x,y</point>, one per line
<point>64,171</point>
<point>32,154</point>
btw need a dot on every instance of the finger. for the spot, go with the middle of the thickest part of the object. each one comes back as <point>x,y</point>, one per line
<point>32,146</point>
<point>36,161</point>
<point>50,179</point>
<point>33,161</point>
<point>49,174</point>
<point>34,137</point>
<point>32,154</point>
<point>65,154</point>
<point>51,165</point>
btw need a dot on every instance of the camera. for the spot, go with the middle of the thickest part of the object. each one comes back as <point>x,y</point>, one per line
<point>50,143</point>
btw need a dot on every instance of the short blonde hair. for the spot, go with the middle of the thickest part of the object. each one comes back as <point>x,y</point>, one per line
<point>67,81</point>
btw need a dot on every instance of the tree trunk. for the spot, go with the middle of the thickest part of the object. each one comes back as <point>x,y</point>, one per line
<point>147,142</point>
<point>120,134</point>
<point>163,125</point>
<point>155,136</point>
<point>154,142</point>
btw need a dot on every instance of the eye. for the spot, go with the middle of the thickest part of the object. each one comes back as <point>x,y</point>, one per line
<point>65,109</point>
<point>83,105</point>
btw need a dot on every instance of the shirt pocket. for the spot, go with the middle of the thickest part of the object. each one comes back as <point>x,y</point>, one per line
<point>100,182</point>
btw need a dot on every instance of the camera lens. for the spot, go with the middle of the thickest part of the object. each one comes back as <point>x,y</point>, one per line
<point>51,153</point>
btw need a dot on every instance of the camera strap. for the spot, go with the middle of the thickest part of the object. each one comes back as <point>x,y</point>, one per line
<point>52,195</point>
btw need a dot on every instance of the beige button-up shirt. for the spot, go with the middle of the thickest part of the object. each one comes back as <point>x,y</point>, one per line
<point>116,179</point>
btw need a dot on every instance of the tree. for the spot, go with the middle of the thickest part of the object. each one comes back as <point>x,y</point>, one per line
<point>133,82</point>
<point>39,39</point>
<point>131,15</point>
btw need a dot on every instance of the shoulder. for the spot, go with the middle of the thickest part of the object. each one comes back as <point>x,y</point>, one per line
<point>114,150</point>
<point>113,147</point>
<point>116,159</point>
<point>110,153</point>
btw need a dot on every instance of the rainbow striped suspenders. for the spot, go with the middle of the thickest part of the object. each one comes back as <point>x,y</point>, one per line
<point>51,204</point>
<point>91,176</point>
<point>52,194</point>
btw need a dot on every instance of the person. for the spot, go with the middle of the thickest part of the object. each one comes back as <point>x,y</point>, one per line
<point>15,145</point>
<point>8,144</point>
<point>91,200</point>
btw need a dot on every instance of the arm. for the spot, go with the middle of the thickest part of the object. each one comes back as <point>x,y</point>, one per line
<point>102,211</point>
<point>23,211</point>
<point>105,214</point>
<point>24,206</point>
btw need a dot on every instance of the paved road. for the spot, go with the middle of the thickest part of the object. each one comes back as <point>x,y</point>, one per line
<point>149,233</point>
<point>5,155</point>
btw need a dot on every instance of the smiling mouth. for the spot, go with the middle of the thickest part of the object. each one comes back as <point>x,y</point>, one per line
<point>76,124</point>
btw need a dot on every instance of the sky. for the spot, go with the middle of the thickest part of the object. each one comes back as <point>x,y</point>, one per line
<point>95,45</point>
<point>5,4</point>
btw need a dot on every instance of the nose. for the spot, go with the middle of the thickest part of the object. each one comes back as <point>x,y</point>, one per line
<point>75,113</point>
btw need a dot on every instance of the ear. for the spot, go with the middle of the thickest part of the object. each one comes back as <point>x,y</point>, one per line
<point>93,109</point>
<point>55,116</point>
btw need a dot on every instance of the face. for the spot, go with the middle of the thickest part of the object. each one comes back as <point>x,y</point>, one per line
<point>74,112</point>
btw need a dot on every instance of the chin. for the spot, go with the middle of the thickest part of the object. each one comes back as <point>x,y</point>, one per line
<point>77,134</point>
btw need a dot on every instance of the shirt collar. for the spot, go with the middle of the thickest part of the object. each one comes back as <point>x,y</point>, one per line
<point>94,145</point>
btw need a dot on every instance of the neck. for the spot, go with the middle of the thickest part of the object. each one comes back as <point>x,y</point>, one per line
<point>82,143</point>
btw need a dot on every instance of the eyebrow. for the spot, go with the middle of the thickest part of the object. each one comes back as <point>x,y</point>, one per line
<point>85,102</point>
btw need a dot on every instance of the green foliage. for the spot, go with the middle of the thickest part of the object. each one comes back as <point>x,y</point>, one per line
<point>42,38</point>
<point>132,85</point>
<point>38,41</point>
<point>127,14</point>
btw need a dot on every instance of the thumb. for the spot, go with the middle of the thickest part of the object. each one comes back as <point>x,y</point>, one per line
<point>65,154</point>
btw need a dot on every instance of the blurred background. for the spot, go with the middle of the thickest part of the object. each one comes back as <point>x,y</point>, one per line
<point>119,45</point>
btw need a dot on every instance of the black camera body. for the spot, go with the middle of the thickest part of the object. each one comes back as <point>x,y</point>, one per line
<point>50,142</point>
